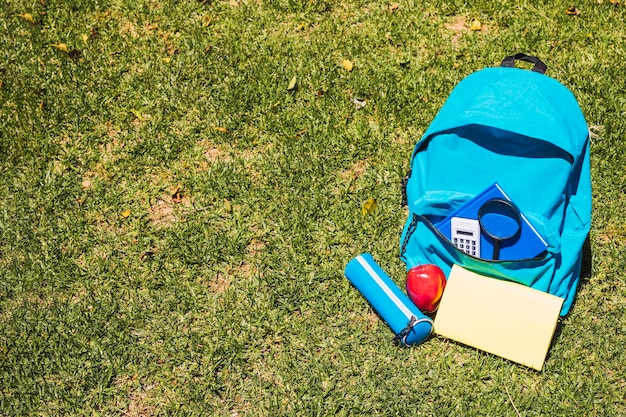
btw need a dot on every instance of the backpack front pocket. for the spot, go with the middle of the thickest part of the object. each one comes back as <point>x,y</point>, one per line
<point>423,243</point>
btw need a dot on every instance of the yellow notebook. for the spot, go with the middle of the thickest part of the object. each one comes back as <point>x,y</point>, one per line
<point>504,318</point>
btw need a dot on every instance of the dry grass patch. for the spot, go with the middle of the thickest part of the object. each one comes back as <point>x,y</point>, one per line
<point>41,301</point>
<point>162,213</point>
<point>223,153</point>
<point>355,171</point>
<point>165,211</point>
<point>461,25</point>
<point>86,183</point>
<point>348,176</point>
<point>112,151</point>
<point>458,27</point>
<point>138,397</point>
<point>220,284</point>
<point>128,29</point>
<point>614,232</point>
<point>215,154</point>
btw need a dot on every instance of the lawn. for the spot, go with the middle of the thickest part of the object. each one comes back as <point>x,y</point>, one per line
<point>182,184</point>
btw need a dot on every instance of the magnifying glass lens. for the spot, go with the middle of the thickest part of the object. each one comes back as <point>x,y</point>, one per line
<point>499,221</point>
<point>501,225</point>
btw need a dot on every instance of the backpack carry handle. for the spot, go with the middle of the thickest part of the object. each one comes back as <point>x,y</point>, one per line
<point>539,66</point>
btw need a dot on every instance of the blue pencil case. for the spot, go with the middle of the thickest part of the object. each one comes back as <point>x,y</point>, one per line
<point>407,322</point>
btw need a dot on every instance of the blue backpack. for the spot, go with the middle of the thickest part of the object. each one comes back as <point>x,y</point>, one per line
<point>524,131</point>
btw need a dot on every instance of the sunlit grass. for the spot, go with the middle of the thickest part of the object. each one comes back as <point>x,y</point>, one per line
<point>175,216</point>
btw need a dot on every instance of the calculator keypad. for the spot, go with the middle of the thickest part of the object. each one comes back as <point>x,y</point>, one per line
<point>466,245</point>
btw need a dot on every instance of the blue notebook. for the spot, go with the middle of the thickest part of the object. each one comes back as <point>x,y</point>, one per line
<point>527,244</point>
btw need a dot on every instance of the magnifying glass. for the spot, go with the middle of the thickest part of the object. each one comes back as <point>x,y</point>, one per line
<point>500,221</point>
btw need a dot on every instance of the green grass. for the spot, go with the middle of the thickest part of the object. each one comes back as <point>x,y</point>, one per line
<point>174,221</point>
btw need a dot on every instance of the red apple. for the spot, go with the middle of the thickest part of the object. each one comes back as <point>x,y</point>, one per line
<point>424,285</point>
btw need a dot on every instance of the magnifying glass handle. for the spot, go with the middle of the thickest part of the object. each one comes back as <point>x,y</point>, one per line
<point>496,250</point>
